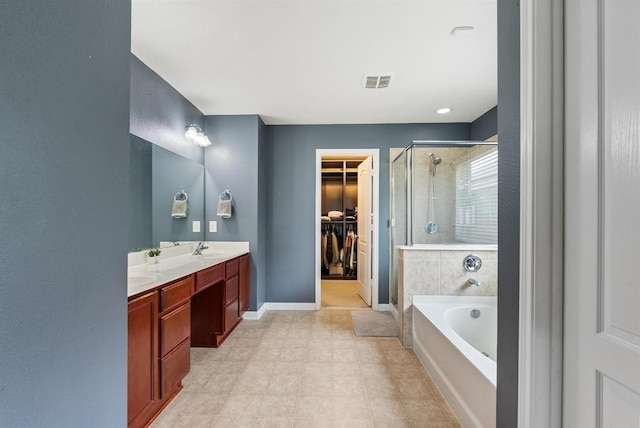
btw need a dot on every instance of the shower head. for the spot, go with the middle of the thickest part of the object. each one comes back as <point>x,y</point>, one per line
<point>435,160</point>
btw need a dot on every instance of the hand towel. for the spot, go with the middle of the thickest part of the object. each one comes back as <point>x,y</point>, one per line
<point>224,208</point>
<point>180,209</point>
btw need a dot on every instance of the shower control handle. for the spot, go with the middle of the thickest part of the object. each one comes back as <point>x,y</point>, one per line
<point>472,263</point>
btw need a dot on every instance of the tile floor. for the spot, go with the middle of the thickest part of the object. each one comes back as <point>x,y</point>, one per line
<point>306,369</point>
<point>338,293</point>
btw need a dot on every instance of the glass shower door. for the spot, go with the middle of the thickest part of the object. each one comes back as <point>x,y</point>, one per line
<point>398,219</point>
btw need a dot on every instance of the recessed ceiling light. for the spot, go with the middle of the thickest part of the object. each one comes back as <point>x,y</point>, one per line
<point>462,31</point>
<point>443,110</point>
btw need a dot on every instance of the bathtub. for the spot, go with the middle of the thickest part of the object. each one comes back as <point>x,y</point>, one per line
<point>458,350</point>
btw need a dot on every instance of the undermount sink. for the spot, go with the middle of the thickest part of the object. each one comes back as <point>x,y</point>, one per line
<point>214,253</point>
<point>137,280</point>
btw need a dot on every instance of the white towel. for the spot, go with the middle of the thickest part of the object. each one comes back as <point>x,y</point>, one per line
<point>224,208</point>
<point>180,209</point>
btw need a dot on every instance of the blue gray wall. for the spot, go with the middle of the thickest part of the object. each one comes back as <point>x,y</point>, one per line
<point>485,126</point>
<point>261,260</point>
<point>159,113</point>
<point>291,157</point>
<point>171,174</point>
<point>64,149</point>
<point>140,211</point>
<point>232,162</point>
<point>508,210</point>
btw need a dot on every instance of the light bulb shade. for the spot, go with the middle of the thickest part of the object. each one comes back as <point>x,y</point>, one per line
<point>202,140</point>
<point>192,131</point>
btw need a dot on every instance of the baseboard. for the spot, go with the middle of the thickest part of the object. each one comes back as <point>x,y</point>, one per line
<point>277,306</point>
<point>384,307</point>
<point>255,315</point>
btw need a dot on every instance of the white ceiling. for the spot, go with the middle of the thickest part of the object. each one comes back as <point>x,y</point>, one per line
<point>302,61</point>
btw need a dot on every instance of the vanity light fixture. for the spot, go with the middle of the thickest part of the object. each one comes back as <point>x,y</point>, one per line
<point>202,140</point>
<point>444,110</point>
<point>196,135</point>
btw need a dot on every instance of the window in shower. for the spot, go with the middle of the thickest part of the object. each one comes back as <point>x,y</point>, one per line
<point>477,199</point>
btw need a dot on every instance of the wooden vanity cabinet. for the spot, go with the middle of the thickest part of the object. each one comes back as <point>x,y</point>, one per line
<point>243,286</point>
<point>143,376</point>
<point>159,349</point>
<point>216,307</point>
<point>200,309</point>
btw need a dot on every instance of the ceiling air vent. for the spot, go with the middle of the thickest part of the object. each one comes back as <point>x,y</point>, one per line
<point>377,81</point>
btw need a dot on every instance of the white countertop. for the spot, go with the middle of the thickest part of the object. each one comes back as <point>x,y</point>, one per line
<point>177,262</point>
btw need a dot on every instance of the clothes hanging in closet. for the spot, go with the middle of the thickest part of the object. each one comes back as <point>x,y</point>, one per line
<point>335,246</point>
<point>351,243</point>
<point>323,252</point>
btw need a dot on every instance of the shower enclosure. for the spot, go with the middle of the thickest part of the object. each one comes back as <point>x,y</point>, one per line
<point>443,192</point>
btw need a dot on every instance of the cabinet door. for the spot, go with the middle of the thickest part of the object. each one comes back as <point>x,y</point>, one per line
<point>175,294</point>
<point>231,316</point>
<point>174,328</point>
<point>143,371</point>
<point>244,284</point>
<point>230,290</point>
<point>231,268</point>
<point>175,367</point>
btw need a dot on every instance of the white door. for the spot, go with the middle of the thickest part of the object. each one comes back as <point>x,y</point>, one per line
<point>601,384</point>
<point>365,231</point>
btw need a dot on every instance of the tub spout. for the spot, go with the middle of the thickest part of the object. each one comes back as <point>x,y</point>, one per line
<point>472,281</point>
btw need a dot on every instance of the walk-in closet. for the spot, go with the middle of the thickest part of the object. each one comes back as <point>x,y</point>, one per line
<point>339,232</point>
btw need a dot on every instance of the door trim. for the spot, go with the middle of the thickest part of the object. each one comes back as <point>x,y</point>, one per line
<point>541,213</point>
<point>375,154</point>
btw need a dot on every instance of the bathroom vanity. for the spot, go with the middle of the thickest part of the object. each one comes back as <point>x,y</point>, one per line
<point>182,301</point>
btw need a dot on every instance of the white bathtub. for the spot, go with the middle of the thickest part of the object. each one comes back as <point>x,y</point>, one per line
<point>459,351</point>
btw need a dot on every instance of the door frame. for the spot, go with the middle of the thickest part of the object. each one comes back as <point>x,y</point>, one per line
<point>540,337</point>
<point>375,154</point>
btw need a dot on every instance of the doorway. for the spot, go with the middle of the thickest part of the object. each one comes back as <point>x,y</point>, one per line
<point>347,208</point>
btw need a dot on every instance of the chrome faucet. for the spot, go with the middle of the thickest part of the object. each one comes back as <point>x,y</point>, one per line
<point>472,281</point>
<point>199,249</point>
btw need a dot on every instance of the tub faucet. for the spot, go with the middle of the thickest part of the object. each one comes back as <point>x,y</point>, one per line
<point>472,281</point>
<point>199,249</point>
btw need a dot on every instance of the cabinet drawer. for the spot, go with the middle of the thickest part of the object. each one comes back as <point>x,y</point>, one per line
<point>174,328</point>
<point>209,276</point>
<point>232,268</point>
<point>175,294</point>
<point>174,367</point>
<point>231,315</point>
<point>231,290</point>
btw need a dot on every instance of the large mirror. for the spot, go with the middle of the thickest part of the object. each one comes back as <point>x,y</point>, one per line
<point>157,177</point>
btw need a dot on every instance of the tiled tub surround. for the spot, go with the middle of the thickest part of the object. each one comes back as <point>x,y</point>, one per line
<point>437,270</point>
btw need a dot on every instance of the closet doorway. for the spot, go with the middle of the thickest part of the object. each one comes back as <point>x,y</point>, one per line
<point>347,195</point>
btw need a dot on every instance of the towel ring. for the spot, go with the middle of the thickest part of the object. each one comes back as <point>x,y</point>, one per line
<point>181,196</point>
<point>225,195</point>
